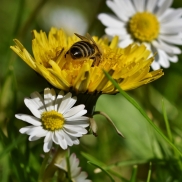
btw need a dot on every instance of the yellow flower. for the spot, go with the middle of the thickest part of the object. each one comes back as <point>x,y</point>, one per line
<point>130,67</point>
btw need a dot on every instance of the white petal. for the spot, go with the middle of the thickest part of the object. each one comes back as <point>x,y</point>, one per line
<point>33,138</point>
<point>166,4</point>
<point>71,102</point>
<point>80,113</point>
<point>78,123</point>
<point>26,129</point>
<point>110,20</point>
<point>76,128</point>
<point>155,65</point>
<point>62,141</point>
<point>49,99</point>
<point>125,43</point>
<point>116,31</point>
<point>48,136</point>
<point>118,9</point>
<point>171,15</point>
<point>163,59</point>
<point>166,47</point>
<point>55,137</point>
<point>29,119</point>
<point>72,132</point>
<point>151,4</point>
<point>68,139</point>
<point>82,118</point>
<point>139,5</point>
<point>171,28</point>
<point>74,110</point>
<point>37,131</point>
<point>38,102</point>
<point>129,7</point>
<point>173,39</point>
<point>31,104</point>
<point>47,146</point>
<point>65,101</point>
<point>59,99</point>
<point>173,58</point>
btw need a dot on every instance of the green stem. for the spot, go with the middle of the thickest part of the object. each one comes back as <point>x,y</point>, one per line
<point>167,122</point>
<point>51,168</point>
<point>43,166</point>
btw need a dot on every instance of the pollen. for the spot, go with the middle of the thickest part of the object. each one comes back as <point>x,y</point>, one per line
<point>52,120</point>
<point>144,26</point>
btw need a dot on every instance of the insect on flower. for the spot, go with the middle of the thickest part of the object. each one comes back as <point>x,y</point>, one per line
<point>86,48</point>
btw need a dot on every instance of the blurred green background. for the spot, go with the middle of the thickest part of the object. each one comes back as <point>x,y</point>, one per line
<point>20,160</point>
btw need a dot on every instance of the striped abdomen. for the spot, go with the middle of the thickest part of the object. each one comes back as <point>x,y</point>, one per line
<point>81,49</point>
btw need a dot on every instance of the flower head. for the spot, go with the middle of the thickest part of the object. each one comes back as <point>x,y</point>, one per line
<point>54,118</point>
<point>76,174</point>
<point>150,22</point>
<point>129,67</point>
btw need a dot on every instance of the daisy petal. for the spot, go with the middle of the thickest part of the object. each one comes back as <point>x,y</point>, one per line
<point>49,99</point>
<point>25,129</point>
<point>80,113</point>
<point>163,7</point>
<point>29,119</point>
<point>74,110</point>
<point>47,146</point>
<point>163,59</point>
<point>171,15</point>
<point>118,9</point>
<point>65,101</point>
<point>139,5</point>
<point>116,31</point>
<point>62,141</point>
<point>38,101</point>
<point>59,99</point>
<point>173,58</point>
<point>173,39</point>
<point>110,20</point>
<point>124,43</point>
<point>151,4</point>
<point>33,108</point>
<point>71,102</point>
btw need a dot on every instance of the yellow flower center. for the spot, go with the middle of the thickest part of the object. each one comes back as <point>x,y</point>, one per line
<point>144,26</point>
<point>52,120</point>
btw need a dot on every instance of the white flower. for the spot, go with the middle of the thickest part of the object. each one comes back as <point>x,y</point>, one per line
<point>76,174</point>
<point>151,22</point>
<point>54,119</point>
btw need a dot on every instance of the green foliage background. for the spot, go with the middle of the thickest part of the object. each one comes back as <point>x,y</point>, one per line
<point>143,155</point>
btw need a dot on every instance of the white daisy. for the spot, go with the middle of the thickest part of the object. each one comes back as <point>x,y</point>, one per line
<point>151,22</point>
<point>76,174</point>
<point>54,119</point>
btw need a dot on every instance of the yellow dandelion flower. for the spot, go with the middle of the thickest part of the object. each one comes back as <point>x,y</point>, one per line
<point>129,67</point>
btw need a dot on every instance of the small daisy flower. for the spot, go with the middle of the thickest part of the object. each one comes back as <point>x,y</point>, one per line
<point>75,171</point>
<point>151,22</point>
<point>54,118</point>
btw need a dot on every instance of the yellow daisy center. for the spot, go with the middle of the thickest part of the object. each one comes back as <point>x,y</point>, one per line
<point>52,120</point>
<point>144,26</point>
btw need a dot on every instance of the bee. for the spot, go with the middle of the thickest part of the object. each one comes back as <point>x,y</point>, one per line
<point>86,48</point>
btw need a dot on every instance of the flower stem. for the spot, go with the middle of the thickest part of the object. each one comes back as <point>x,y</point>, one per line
<point>51,168</point>
<point>44,163</point>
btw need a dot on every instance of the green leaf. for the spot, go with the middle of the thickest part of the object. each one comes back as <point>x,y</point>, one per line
<point>135,104</point>
<point>134,174</point>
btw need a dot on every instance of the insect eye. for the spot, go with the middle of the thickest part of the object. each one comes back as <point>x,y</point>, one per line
<point>76,53</point>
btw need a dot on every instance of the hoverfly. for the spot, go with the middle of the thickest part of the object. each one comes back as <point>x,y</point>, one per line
<point>86,48</point>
